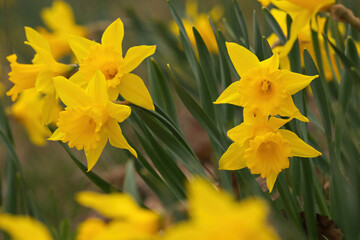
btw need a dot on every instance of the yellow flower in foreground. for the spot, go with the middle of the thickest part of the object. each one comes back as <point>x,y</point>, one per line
<point>38,74</point>
<point>28,111</point>
<point>301,12</point>
<point>107,57</point>
<point>201,22</point>
<point>216,215</point>
<point>128,220</point>
<point>23,228</point>
<point>263,87</point>
<point>261,146</point>
<point>90,118</point>
<point>60,20</point>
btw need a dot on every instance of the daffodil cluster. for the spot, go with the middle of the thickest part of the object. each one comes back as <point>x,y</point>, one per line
<point>264,91</point>
<point>213,215</point>
<point>89,89</point>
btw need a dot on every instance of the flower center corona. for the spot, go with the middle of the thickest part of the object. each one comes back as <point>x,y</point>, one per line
<point>265,86</point>
<point>109,70</point>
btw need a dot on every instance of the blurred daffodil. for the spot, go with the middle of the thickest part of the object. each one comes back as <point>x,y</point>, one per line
<point>263,87</point>
<point>301,12</point>
<point>261,146</point>
<point>128,220</point>
<point>38,74</point>
<point>305,42</point>
<point>216,215</point>
<point>201,22</point>
<point>90,118</point>
<point>23,228</point>
<point>59,18</point>
<point>28,111</point>
<point>108,58</point>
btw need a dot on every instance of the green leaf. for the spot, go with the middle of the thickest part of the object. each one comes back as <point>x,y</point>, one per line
<point>174,143</point>
<point>274,25</point>
<point>161,190</point>
<point>203,88</point>
<point>266,48</point>
<point>321,98</point>
<point>93,177</point>
<point>165,164</point>
<point>161,91</point>
<point>198,113</point>
<point>257,39</point>
<point>206,65</point>
<point>130,182</point>
<point>242,24</point>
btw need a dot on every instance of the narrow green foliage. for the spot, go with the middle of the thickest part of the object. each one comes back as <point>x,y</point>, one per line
<point>164,162</point>
<point>198,113</point>
<point>242,24</point>
<point>274,25</point>
<point>130,182</point>
<point>93,177</point>
<point>160,89</point>
<point>259,52</point>
<point>178,146</point>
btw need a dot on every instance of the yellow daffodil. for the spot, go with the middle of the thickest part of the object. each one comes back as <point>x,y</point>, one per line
<point>28,111</point>
<point>90,118</point>
<point>201,22</point>
<point>216,215</point>
<point>59,18</point>
<point>128,220</point>
<point>263,87</point>
<point>305,42</point>
<point>261,146</point>
<point>38,74</point>
<point>301,12</point>
<point>107,57</point>
<point>23,228</point>
<point>265,3</point>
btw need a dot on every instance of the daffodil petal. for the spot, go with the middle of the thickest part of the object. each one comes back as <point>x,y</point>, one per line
<point>90,229</point>
<point>70,94</point>
<point>114,205</point>
<point>118,111</point>
<point>116,137</point>
<point>133,89</point>
<point>288,109</point>
<point>113,35</point>
<point>23,228</point>
<point>135,56</point>
<point>294,81</point>
<point>231,95</point>
<point>242,58</point>
<point>57,135</point>
<point>97,88</point>
<point>300,20</point>
<point>287,6</point>
<point>298,147</point>
<point>276,123</point>
<point>44,83</point>
<point>49,108</point>
<point>271,63</point>
<point>79,79</point>
<point>80,46</point>
<point>270,181</point>
<point>240,133</point>
<point>93,155</point>
<point>36,39</point>
<point>233,158</point>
